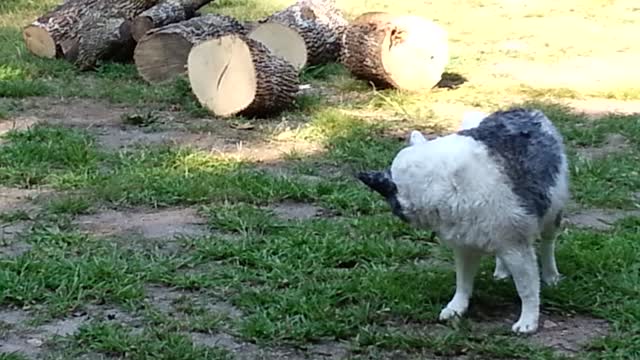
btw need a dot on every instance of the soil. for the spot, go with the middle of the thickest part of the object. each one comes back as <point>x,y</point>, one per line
<point>14,199</point>
<point>604,72</point>
<point>149,224</point>
<point>566,334</point>
<point>111,125</point>
<point>598,219</point>
<point>298,211</point>
<point>31,341</point>
<point>614,143</point>
<point>595,108</point>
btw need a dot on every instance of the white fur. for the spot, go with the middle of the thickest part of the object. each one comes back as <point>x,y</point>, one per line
<point>471,119</point>
<point>452,186</point>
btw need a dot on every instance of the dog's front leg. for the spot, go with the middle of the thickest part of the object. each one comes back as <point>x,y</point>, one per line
<point>523,267</point>
<point>467,263</point>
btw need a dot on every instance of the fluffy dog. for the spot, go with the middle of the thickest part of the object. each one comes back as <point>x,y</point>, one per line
<point>492,188</point>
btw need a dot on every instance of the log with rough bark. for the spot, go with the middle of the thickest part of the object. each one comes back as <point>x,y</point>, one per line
<point>400,51</point>
<point>84,31</point>
<point>319,22</point>
<point>236,75</point>
<point>161,54</point>
<point>282,41</point>
<point>165,13</point>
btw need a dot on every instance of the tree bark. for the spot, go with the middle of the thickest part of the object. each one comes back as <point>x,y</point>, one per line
<point>320,23</point>
<point>164,13</point>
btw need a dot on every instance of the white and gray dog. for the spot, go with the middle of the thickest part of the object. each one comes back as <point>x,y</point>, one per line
<point>491,188</point>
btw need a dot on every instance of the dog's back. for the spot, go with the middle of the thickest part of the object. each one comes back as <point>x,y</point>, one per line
<point>530,151</point>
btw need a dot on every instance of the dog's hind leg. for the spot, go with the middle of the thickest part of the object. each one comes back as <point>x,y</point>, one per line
<point>522,265</point>
<point>467,263</point>
<point>550,274</point>
<point>501,271</point>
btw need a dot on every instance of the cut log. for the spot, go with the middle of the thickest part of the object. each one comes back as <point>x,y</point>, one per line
<point>400,51</point>
<point>282,41</point>
<point>161,54</point>
<point>319,22</point>
<point>372,17</point>
<point>165,13</point>
<point>59,33</point>
<point>236,75</point>
<point>102,38</point>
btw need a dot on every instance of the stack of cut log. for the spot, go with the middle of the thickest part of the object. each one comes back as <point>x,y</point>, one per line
<point>237,68</point>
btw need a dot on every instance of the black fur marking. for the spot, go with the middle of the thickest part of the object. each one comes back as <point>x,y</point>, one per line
<point>529,154</point>
<point>382,183</point>
<point>558,220</point>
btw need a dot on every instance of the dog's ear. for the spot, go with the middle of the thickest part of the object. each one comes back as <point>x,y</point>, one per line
<point>416,137</point>
<point>379,181</point>
<point>471,119</point>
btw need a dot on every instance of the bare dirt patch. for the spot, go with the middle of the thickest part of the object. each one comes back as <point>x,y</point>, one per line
<point>614,143</point>
<point>149,224</point>
<point>10,244</point>
<point>12,201</point>
<point>566,334</point>
<point>33,341</point>
<point>290,210</point>
<point>113,131</point>
<point>598,219</point>
<point>594,108</point>
<point>15,199</point>
<point>168,300</point>
<point>593,73</point>
<point>248,351</point>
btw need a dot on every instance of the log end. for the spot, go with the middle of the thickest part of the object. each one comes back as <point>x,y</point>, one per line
<point>161,57</point>
<point>140,26</point>
<point>222,75</point>
<point>283,41</point>
<point>415,53</point>
<point>39,42</point>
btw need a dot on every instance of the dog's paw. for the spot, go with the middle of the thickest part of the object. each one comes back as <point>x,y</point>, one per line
<point>551,279</point>
<point>525,327</point>
<point>448,314</point>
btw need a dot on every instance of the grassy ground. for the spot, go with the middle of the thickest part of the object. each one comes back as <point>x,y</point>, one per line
<point>278,252</point>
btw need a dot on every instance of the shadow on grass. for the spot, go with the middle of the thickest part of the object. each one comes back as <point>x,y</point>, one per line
<point>451,80</point>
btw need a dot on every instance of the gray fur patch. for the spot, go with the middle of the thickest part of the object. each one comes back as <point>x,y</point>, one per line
<point>529,149</point>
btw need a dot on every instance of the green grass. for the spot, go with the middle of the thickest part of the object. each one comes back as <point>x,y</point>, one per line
<point>358,275</point>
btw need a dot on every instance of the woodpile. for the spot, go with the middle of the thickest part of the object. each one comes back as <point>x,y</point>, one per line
<point>85,32</point>
<point>241,68</point>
